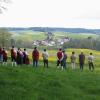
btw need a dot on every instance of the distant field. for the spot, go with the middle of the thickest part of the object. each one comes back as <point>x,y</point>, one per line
<point>75,35</point>
<point>30,36</point>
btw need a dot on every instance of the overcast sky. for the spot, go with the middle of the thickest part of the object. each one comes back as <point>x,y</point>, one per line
<point>52,13</point>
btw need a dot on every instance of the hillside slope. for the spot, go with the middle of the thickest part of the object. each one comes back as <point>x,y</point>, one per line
<point>28,83</point>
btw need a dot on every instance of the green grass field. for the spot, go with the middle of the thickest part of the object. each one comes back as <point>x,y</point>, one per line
<point>28,83</point>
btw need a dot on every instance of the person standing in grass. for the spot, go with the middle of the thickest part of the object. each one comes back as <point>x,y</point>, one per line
<point>1,55</point>
<point>90,62</point>
<point>4,52</point>
<point>45,58</point>
<point>25,58</point>
<point>13,56</point>
<point>73,60</point>
<point>19,57</point>
<point>64,59</point>
<point>81,60</point>
<point>60,58</point>
<point>35,57</point>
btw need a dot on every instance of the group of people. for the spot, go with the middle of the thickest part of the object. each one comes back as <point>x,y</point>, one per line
<point>20,57</point>
<point>62,57</point>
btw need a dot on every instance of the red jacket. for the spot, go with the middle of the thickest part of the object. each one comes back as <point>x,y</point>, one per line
<point>13,53</point>
<point>59,55</point>
<point>35,55</point>
<point>4,54</point>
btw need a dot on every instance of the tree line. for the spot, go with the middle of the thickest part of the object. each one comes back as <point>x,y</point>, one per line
<point>87,43</point>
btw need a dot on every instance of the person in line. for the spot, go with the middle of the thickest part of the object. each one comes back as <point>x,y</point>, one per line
<point>19,57</point>
<point>35,57</point>
<point>4,52</point>
<point>90,62</point>
<point>60,58</point>
<point>73,60</point>
<point>27,62</point>
<point>13,56</point>
<point>45,58</point>
<point>64,59</point>
<point>25,58</point>
<point>81,61</point>
<point>1,56</point>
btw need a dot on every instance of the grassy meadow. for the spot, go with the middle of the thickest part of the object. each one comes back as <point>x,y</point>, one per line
<point>28,83</point>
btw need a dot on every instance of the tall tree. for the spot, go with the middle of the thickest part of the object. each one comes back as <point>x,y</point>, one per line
<point>5,37</point>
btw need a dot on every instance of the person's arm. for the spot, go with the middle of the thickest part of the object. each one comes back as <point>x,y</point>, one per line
<point>62,57</point>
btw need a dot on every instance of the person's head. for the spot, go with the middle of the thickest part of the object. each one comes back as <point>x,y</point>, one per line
<point>35,48</point>
<point>63,51</point>
<point>90,53</point>
<point>60,49</point>
<point>82,53</point>
<point>18,48</point>
<point>12,46</point>
<point>44,50</point>
<point>24,49</point>
<point>73,52</point>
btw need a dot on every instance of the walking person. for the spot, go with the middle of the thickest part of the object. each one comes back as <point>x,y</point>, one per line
<point>60,58</point>
<point>13,56</point>
<point>73,60</point>
<point>64,59</point>
<point>35,57</point>
<point>81,61</point>
<point>90,62</point>
<point>45,58</point>
<point>4,52</point>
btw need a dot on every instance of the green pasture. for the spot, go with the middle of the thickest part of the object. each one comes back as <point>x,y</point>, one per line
<point>29,83</point>
<point>30,36</point>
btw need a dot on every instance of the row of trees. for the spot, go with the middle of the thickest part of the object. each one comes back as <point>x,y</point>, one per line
<point>5,37</point>
<point>6,40</point>
<point>88,43</point>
